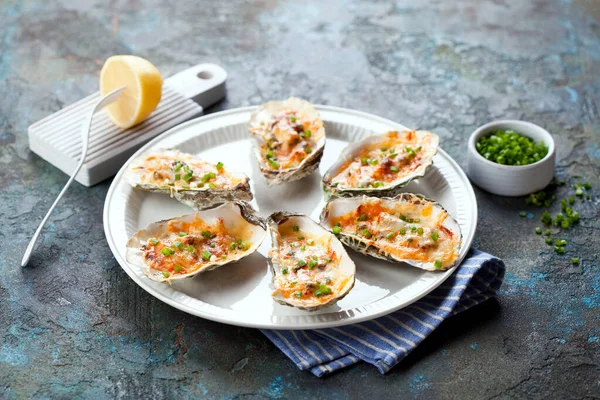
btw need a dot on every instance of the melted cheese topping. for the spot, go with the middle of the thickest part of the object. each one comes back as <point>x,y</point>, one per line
<point>397,156</point>
<point>181,171</point>
<point>309,267</point>
<point>406,230</point>
<point>288,137</point>
<point>186,247</point>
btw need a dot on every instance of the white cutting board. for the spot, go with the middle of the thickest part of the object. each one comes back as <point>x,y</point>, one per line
<point>57,138</point>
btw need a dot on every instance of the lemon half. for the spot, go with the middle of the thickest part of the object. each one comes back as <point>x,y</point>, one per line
<point>143,89</point>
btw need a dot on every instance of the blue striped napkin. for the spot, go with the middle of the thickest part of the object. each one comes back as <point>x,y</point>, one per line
<point>385,341</point>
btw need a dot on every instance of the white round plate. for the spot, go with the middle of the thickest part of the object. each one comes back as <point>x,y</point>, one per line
<point>240,294</point>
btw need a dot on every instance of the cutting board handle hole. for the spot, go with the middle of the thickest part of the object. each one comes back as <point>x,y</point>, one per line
<point>205,75</point>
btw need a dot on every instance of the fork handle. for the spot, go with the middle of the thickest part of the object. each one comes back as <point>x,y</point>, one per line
<point>85,132</point>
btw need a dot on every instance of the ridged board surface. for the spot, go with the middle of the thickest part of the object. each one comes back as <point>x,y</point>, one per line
<point>57,138</point>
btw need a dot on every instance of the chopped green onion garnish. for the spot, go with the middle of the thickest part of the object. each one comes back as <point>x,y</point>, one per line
<point>510,148</point>
<point>154,242</point>
<point>178,245</point>
<point>522,214</point>
<point>402,231</point>
<point>206,255</point>
<point>219,165</point>
<point>546,218</point>
<point>393,168</point>
<point>420,230</point>
<point>182,233</point>
<point>437,264</point>
<point>307,150</point>
<point>366,233</point>
<point>310,242</point>
<point>188,175</point>
<point>298,294</point>
<point>364,161</point>
<point>434,236</point>
<point>390,235</point>
<point>274,164</point>
<point>548,241</point>
<point>327,260</point>
<point>190,248</point>
<point>548,233</point>
<point>322,290</point>
<point>383,148</point>
<point>207,234</point>
<point>362,217</point>
<point>284,270</point>
<point>559,250</point>
<point>232,246</point>
<point>538,230</point>
<point>296,228</point>
<point>300,237</point>
<point>177,268</point>
<point>177,177</point>
<point>312,264</point>
<point>303,247</point>
<point>167,251</point>
<point>587,186</point>
<point>373,161</point>
<point>293,118</point>
<point>301,263</point>
<point>579,192</point>
<point>337,230</point>
<point>560,243</point>
<point>166,274</point>
<point>575,260</point>
<point>177,167</point>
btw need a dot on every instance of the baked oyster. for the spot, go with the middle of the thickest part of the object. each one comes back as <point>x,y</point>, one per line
<point>311,269</point>
<point>407,228</point>
<point>189,245</point>
<point>379,165</point>
<point>194,182</point>
<point>289,139</point>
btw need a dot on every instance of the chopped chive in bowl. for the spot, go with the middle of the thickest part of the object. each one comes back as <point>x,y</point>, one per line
<point>508,147</point>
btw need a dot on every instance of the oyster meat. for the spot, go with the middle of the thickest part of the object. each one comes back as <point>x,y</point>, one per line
<point>407,228</point>
<point>189,245</point>
<point>194,182</point>
<point>380,165</point>
<point>289,139</point>
<point>311,269</point>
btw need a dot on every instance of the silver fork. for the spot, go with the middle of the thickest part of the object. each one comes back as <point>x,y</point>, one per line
<point>107,99</point>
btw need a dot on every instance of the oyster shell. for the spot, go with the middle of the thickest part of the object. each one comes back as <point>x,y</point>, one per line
<point>289,139</point>
<point>192,181</point>
<point>183,247</point>
<point>407,228</point>
<point>311,269</point>
<point>379,165</point>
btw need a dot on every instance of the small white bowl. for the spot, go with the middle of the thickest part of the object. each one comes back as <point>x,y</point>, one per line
<point>511,180</point>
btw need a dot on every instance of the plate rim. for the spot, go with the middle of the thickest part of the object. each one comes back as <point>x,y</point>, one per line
<point>317,323</point>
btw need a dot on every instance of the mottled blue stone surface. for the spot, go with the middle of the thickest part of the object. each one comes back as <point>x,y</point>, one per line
<point>73,324</point>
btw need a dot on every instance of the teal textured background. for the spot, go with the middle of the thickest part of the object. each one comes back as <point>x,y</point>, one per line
<point>72,324</point>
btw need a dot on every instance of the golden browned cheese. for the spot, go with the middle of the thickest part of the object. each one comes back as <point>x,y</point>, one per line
<point>188,246</point>
<point>182,171</point>
<point>312,267</point>
<point>398,155</point>
<point>291,140</point>
<point>423,238</point>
